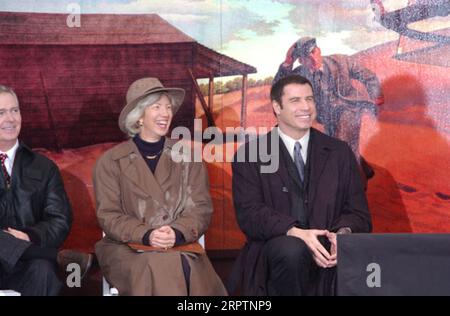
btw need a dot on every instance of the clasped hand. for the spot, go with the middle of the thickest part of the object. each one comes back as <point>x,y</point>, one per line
<point>163,237</point>
<point>321,256</point>
<point>17,233</point>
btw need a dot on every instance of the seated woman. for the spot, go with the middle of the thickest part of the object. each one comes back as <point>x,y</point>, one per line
<point>145,197</point>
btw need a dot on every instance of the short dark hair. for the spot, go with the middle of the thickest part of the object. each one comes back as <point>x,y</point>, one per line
<point>276,92</point>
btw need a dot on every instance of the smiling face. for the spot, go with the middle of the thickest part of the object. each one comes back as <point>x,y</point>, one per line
<point>10,121</point>
<point>297,110</point>
<point>156,119</point>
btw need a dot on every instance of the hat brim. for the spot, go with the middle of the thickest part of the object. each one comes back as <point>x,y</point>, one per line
<point>177,94</point>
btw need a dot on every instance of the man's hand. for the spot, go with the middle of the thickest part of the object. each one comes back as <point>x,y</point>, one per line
<point>310,236</point>
<point>163,237</point>
<point>289,60</point>
<point>333,250</point>
<point>18,234</point>
<point>332,238</point>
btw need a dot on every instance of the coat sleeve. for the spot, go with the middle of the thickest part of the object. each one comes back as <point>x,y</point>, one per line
<point>194,220</point>
<point>54,227</point>
<point>256,218</point>
<point>112,218</point>
<point>355,212</point>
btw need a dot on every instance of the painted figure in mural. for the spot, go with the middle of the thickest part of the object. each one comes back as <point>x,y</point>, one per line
<point>291,217</point>
<point>339,102</point>
<point>398,20</point>
<point>35,214</point>
<point>143,196</point>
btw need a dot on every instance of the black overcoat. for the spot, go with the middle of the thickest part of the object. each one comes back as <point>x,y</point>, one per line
<point>335,198</point>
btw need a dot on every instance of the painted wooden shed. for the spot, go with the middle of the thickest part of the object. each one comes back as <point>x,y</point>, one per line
<point>72,81</point>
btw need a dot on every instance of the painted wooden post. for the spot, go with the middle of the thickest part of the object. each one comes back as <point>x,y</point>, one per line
<point>244,102</point>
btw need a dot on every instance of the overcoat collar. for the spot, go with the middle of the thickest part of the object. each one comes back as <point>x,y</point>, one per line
<point>136,170</point>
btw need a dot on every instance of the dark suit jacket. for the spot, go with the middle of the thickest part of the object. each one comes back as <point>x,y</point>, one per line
<point>36,203</point>
<point>335,198</point>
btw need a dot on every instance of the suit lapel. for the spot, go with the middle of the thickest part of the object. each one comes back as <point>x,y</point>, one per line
<point>281,171</point>
<point>317,160</point>
<point>290,170</point>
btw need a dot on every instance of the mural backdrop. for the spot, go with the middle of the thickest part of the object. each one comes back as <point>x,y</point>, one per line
<point>72,61</point>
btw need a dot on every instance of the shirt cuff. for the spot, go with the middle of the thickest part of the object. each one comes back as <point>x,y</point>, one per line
<point>344,230</point>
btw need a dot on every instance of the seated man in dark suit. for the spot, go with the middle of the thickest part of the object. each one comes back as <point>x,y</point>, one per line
<point>35,214</point>
<point>291,216</point>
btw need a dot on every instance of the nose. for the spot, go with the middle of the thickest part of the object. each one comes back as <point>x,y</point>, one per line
<point>164,111</point>
<point>304,105</point>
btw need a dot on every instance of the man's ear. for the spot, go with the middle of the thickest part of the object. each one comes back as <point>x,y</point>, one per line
<point>276,107</point>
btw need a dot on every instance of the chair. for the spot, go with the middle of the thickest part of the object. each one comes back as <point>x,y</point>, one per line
<point>108,290</point>
<point>9,293</point>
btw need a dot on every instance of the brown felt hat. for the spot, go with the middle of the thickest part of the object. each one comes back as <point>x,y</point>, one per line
<point>142,88</point>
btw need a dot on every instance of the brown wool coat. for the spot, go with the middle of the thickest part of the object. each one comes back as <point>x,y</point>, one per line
<point>131,200</point>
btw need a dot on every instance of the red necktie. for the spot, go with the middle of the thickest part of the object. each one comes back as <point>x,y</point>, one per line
<point>5,171</point>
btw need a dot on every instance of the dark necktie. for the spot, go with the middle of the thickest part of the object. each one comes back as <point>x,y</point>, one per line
<point>5,171</point>
<point>298,160</point>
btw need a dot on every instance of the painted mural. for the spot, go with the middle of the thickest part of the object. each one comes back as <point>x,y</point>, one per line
<point>381,67</point>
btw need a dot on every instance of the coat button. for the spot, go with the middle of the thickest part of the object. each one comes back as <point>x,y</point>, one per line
<point>165,217</point>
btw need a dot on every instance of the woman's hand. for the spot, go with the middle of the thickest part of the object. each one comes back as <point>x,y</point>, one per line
<point>163,237</point>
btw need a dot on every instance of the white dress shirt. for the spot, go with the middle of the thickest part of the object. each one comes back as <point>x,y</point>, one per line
<point>11,155</point>
<point>289,142</point>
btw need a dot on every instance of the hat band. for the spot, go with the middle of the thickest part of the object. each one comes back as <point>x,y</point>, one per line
<point>156,88</point>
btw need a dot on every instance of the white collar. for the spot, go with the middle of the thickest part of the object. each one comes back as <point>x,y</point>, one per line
<point>12,151</point>
<point>289,142</point>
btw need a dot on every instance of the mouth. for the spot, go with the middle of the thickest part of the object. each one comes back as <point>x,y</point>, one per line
<point>8,128</point>
<point>162,124</point>
<point>304,116</point>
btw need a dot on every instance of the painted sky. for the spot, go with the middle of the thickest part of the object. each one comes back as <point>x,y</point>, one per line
<point>257,32</point>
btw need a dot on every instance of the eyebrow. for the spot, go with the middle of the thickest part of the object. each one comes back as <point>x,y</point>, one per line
<point>298,98</point>
<point>13,108</point>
